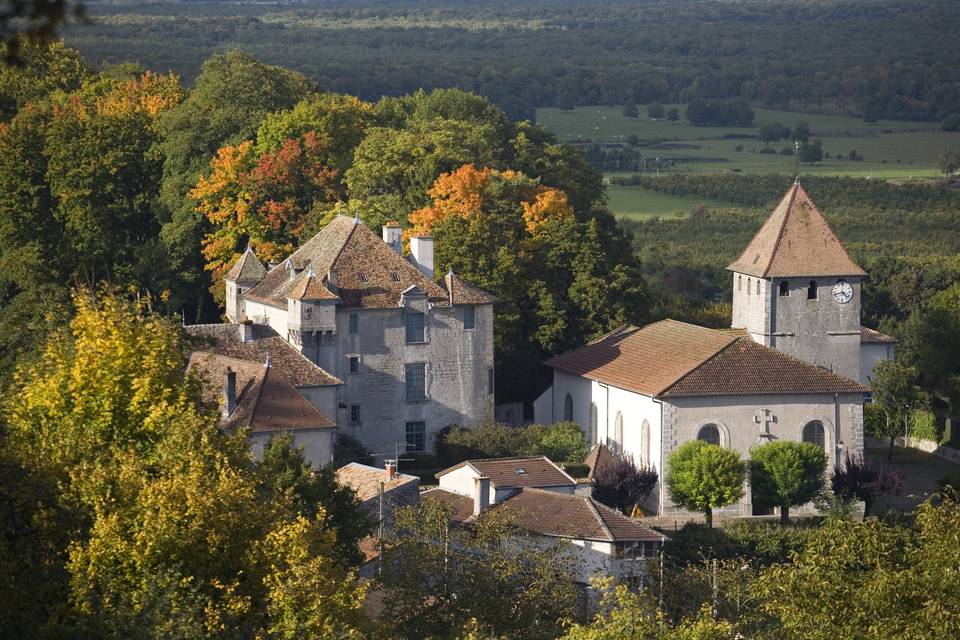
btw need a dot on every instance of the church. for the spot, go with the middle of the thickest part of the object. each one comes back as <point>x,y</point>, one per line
<point>794,365</point>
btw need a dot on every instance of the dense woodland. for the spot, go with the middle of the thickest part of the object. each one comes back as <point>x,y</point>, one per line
<point>871,58</point>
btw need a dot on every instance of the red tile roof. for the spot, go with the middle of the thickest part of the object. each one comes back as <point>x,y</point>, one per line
<point>871,336</point>
<point>795,241</point>
<point>365,480</point>
<point>517,472</point>
<point>673,359</point>
<point>461,506</point>
<point>599,457</point>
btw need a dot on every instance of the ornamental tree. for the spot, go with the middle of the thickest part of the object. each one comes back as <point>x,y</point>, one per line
<point>622,484</point>
<point>861,480</point>
<point>787,474</point>
<point>702,477</point>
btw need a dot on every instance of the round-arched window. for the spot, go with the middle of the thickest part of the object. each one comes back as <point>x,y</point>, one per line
<point>593,423</point>
<point>814,434</point>
<point>645,443</point>
<point>618,433</point>
<point>710,434</point>
<point>568,408</point>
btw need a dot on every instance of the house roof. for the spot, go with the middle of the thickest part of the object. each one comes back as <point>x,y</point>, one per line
<point>555,514</point>
<point>247,268</point>
<point>599,457</point>
<point>871,336</point>
<point>517,472</point>
<point>266,401</point>
<point>795,241</point>
<point>308,286</point>
<point>462,292</point>
<point>674,359</point>
<point>365,480</point>
<point>226,340</point>
<point>353,263</point>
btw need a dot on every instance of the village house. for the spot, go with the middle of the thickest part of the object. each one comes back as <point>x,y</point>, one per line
<point>413,355</point>
<point>399,489</point>
<point>539,499</point>
<point>790,367</point>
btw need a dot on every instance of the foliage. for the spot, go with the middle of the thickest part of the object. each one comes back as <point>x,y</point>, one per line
<point>622,484</point>
<point>786,474</point>
<point>923,424</point>
<point>630,110</point>
<point>897,393</point>
<point>930,340</point>
<point>437,577</point>
<point>717,113</point>
<point>811,152</point>
<point>42,69</point>
<point>702,477</point>
<point>862,480</point>
<point>564,442</point>
<point>561,442</point>
<point>949,161</point>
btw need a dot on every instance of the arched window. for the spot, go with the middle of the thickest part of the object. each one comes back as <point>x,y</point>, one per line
<point>814,434</point>
<point>568,408</point>
<point>645,443</point>
<point>618,433</point>
<point>709,433</point>
<point>739,283</point>
<point>593,423</point>
<point>812,290</point>
<point>749,285</point>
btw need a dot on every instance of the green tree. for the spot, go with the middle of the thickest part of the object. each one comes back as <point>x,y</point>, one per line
<point>949,162</point>
<point>702,477</point>
<point>896,392</point>
<point>630,110</point>
<point>673,114</point>
<point>811,152</point>
<point>43,69</point>
<point>786,474</point>
<point>655,110</point>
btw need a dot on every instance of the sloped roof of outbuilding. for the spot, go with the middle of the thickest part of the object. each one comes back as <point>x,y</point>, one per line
<point>538,471</point>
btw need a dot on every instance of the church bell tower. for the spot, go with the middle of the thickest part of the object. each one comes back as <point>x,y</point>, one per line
<point>797,290</point>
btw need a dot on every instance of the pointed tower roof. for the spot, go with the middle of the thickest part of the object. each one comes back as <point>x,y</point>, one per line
<point>795,241</point>
<point>247,269</point>
<point>309,287</point>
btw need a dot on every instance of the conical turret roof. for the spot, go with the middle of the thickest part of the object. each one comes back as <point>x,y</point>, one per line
<point>247,269</point>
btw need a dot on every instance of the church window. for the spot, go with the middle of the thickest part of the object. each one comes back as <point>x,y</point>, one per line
<point>645,443</point>
<point>739,283</point>
<point>568,408</point>
<point>593,423</point>
<point>814,434</point>
<point>618,433</point>
<point>749,285</point>
<point>363,277</point>
<point>812,290</point>
<point>784,288</point>
<point>710,434</point>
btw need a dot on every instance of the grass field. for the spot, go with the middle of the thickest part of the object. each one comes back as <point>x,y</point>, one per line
<point>891,149</point>
<point>639,204</point>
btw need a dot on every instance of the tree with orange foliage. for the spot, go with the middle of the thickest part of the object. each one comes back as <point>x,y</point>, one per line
<point>262,198</point>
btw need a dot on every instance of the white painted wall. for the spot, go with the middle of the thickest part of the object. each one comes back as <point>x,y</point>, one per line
<point>268,314</point>
<point>872,354</point>
<point>318,444</point>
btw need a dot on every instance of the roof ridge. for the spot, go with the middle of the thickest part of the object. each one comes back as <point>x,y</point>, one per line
<point>596,514</point>
<point>261,383</point>
<point>702,362</point>
<point>783,225</point>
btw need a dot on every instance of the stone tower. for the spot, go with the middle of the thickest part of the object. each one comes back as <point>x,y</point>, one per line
<point>245,274</point>
<point>796,289</point>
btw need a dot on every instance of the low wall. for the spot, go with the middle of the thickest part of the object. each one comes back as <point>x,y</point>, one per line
<point>947,453</point>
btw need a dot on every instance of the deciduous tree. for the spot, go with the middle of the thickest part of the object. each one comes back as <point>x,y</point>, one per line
<point>702,477</point>
<point>786,474</point>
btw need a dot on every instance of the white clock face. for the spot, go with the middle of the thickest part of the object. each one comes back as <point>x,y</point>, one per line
<point>842,292</point>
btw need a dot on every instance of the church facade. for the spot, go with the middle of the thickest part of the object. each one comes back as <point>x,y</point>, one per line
<point>792,366</point>
<point>414,354</point>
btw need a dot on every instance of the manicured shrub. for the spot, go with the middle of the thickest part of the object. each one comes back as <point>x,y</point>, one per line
<point>786,474</point>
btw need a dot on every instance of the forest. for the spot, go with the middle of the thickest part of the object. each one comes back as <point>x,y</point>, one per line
<point>869,58</point>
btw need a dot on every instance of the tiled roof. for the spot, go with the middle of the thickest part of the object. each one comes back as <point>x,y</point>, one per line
<point>225,339</point>
<point>598,457</point>
<point>870,336</point>
<point>247,268</point>
<point>309,287</point>
<point>266,401</point>
<point>673,359</point>
<point>747,368</point>
<point>365,480</point>
<point>462,292</point>
<point>795,241</point>
<point>646,360</point>
<point>363,270</point>
<point>462,506</point>
<point>517,472</point>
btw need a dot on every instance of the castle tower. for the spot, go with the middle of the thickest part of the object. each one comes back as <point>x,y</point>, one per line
<point>245,273</point>
<point>797,290</point>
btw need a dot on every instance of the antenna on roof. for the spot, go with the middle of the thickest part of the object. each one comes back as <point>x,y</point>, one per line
<point>797,181</point>
<point>249,247</point>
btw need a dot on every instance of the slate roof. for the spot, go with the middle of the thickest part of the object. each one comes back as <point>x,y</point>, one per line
<point>517,472</point>
<point>674,359</point>
<point>354,263</point>
<point>365,480</point>
<point>247,268</point>
<point>795,241</point>
<point>225,340</point>
<point>309,287</point>
<point>266,401</point>
<point>555,514</point>
<point>462,292</point>
<point>871,336</point>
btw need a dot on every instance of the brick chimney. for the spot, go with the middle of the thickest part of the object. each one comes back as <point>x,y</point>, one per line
<point>229,392</point>
<point>421,250</point>
<point>391,468</point>
<point>481,495</point>
<point>391,235</point>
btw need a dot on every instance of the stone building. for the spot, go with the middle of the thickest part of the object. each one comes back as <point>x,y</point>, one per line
<point>790,367</point>
<point>414,354</point>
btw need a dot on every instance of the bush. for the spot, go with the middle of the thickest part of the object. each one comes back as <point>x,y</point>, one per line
<point>563,442</point>
<point>577,470</point>
<point>769,151</point>
<point>622,484</point>
<point>923,424</point>
<point>874,420</point>
<point>863,481</point>
<point>951,122</point>
<point>704,477</point>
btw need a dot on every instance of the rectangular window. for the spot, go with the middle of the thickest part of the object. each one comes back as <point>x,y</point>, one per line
<point>415,324</point>
<point>308,312</point>
<point>354,364</point>
<point>354,323</point>
<point>812,290</point>
<point>490,381</point>
<point>469,317</point>
<point>415,380</point>
<point>416,436</point>
<point>354,414</point>
<point>784,288</point>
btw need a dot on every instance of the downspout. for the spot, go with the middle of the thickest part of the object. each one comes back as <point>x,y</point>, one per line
<point>837,442</point>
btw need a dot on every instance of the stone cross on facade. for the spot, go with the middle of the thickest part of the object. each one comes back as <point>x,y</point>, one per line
<point>765,418</point>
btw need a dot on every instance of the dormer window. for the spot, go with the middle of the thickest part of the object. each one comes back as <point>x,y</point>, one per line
<point>395,276</point>
<point>363,277</point>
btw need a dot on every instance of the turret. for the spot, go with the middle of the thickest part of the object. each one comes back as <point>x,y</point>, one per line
<point>245,274</point>
<point>311,304</point>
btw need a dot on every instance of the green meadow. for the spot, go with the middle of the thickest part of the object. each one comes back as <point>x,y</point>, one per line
<point>639,203</point>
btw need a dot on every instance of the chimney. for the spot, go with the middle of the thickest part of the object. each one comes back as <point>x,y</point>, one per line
<point>391,235</point>
<point>481,495</point>
<point>421,249</point>
<point>391,468</point>
<point>246,331</point>
<point>229,392</point>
